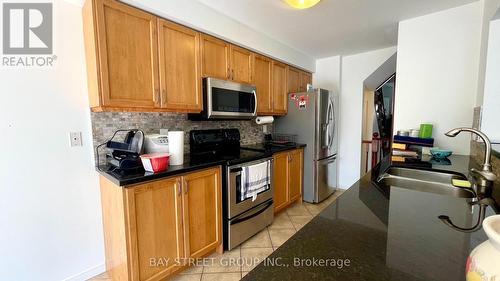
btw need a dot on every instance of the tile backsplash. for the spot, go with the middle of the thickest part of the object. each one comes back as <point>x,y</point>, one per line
<point>104,124</point>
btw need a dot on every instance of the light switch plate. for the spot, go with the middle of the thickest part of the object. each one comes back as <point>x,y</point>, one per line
<point>75,138</point>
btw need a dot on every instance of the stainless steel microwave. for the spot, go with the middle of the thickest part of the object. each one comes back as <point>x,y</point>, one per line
<point>227,100</point>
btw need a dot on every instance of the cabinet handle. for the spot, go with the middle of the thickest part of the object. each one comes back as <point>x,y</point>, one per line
<point>186,187</point>
<point>232,74</point>
<point>179,187</point>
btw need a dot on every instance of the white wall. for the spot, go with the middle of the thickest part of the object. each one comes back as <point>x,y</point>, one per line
<point>201,17</point>
<point>328,73</point>
<point>491,104</point>
<point>437,72</point>
<point>50,212</point>
<point>355,69</point>
<point>488,11</point>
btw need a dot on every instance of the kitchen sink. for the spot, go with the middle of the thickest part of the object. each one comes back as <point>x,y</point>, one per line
<point>425,181</point>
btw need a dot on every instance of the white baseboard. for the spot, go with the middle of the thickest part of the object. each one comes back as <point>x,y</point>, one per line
<point>87,274</point>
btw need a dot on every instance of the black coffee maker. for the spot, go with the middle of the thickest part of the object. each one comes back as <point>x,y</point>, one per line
<point>124,155</point>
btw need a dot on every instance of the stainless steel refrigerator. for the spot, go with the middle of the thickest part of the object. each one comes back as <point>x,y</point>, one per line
<point>313,116</point>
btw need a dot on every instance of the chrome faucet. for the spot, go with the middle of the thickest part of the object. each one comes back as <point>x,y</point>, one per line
<point>483,178</point>
<point>487,177</point>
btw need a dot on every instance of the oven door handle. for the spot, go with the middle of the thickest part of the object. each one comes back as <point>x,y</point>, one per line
<point>258,210</point>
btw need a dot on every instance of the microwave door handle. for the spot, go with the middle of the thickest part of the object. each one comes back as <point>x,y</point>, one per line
<point>255,105</point>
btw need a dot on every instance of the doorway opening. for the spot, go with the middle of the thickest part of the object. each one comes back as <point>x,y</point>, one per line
<point>378,120</point>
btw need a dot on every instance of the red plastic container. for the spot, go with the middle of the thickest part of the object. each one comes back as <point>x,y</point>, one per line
<point>155,162</point>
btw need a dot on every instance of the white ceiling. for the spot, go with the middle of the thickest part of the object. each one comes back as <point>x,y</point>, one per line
<point>333,27</point>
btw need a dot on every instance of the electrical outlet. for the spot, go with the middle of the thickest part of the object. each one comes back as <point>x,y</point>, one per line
<point>75,138</point>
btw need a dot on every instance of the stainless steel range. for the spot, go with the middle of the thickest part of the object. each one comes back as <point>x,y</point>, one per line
<point>246,211</point>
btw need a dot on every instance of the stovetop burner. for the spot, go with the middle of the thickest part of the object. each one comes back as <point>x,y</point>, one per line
<point>220,144</point>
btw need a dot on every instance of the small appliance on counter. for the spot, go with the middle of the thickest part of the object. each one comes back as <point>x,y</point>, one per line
<point>156,143</point>
<point>124,155</point>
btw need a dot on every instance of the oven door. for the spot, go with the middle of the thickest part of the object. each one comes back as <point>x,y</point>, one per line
<point>227,99</point>
<point>236,206</point>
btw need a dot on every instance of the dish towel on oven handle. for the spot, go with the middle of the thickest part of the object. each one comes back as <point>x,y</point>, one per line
<point>254,179</point>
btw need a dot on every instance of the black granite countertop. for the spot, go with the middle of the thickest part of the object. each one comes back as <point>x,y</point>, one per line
<point>248,152</point>
<point>130,178</point>
<point>272,148</point>
<point>383,235</point>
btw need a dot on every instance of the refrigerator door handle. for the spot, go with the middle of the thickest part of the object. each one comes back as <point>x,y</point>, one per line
<point>331,122</point>
<point>324,133</point>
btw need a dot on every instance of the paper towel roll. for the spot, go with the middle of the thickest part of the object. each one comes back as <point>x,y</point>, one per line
<point>176,147</point>
<point>262,120</point>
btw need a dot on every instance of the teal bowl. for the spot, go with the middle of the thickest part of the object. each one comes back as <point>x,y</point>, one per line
<point>440,153</point>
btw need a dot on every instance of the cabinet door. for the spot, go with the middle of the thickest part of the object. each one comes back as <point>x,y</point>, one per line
<point>280,100</point>
<point>280,181</point>
<point>241,64</point>
<point>262,81</point>
<point>155,227</point>
<point>214,57</point>
<point>202,212</point>
<point>128,55</point>
<point>305,78</point>
<point>293,80</point>
<point>295,174</point>
<point>180,79</point>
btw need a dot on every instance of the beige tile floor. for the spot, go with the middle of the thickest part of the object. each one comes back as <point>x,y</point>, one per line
<point>257,248</point>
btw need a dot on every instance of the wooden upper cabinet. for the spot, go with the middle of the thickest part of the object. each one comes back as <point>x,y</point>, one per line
<point>241,64</point>
<point>139,62</point>
<point>279,88</point>
<point>180,74</point>
<point>293,80</point>
<point>305,78</point>
<point>262,79</point>
<point>295,174</point>
<point>155,227</point>
<point>214,57</point>
<point>280,180</point>
<point>122,55</point>
<point>202,211</point>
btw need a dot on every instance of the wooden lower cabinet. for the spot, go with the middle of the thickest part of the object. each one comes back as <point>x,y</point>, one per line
<point>288,178</point>
<point>152,229</point>
<point>202,212</point>
<point>280,180</point>
<point>295,174</point>
<point>155,228</point>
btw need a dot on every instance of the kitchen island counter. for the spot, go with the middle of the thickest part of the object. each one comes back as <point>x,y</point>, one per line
<point>370,233</point>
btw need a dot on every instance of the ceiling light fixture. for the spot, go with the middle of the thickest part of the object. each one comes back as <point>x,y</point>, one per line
<point>302,4</point>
